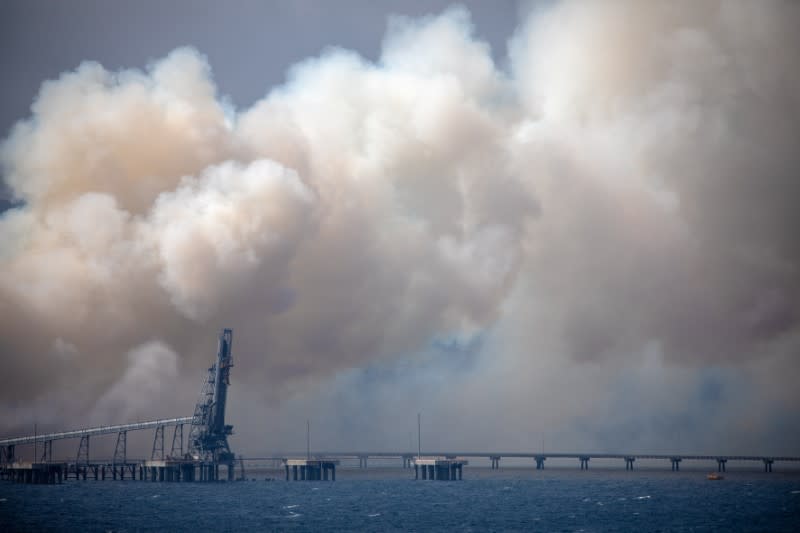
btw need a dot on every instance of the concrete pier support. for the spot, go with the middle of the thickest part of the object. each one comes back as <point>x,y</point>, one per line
<point>440,469</point>
<point>768,465</point>
<point>721,464</point>
<point>495,459</point>
<point>35,473</point>
<point>310,469</point>
<point>629,463</point>
<point>584,463</point>
<point>174,471</point>
<point>676,463</point>
<point>540,462</point>
<point>362,461</point>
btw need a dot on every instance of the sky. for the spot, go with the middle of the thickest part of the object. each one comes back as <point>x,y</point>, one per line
<point>568,223</point>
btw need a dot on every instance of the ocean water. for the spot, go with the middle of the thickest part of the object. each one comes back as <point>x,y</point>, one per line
<point>388,499</point>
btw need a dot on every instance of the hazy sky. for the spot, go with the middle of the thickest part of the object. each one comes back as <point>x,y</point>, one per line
<point>563,220</point>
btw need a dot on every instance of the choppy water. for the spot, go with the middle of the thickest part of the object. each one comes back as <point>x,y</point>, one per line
<point>389,500</point>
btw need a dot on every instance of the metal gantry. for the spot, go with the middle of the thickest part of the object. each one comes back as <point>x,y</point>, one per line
<point>206,448</point>
<point>208,437</point>
<point>158,445</point>
<point>177,439</point>
<point>121,449</point>
<point>83,451</point>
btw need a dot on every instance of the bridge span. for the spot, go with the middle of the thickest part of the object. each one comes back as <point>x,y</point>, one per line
<point>494,458</point>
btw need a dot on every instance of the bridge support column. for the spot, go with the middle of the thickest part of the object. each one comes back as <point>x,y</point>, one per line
<point>768,465</point>
<point>540,462</point>
<point>721,465</point>
<point>676,464</point>
<point>584,463</point>
<point>495,462</point>
<point>629,463</point>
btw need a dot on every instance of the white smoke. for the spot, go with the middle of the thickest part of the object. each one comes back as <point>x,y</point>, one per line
<point>152,367</point>
<point>623,187</point>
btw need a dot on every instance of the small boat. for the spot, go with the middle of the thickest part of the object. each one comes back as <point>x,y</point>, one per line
<point>713,476</point>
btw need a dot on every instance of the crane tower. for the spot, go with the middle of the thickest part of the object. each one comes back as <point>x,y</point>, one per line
<point>208,438</point>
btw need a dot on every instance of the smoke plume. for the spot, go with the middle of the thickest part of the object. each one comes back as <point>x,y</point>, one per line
<point>603,218</point>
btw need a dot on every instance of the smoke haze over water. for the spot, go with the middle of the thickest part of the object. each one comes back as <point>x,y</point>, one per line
<point>592,240</point>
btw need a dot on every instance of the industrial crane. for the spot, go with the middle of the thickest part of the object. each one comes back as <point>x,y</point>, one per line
<point>208,438</point>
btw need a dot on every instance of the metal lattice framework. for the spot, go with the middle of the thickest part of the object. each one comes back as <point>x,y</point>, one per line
<point>208,437</point>
<point>177,442</point>
<point>158,445</point>
<point>121,449</point>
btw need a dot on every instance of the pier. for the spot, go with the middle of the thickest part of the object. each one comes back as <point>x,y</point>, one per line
<point>310,469</point>
<point>438,468</point>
